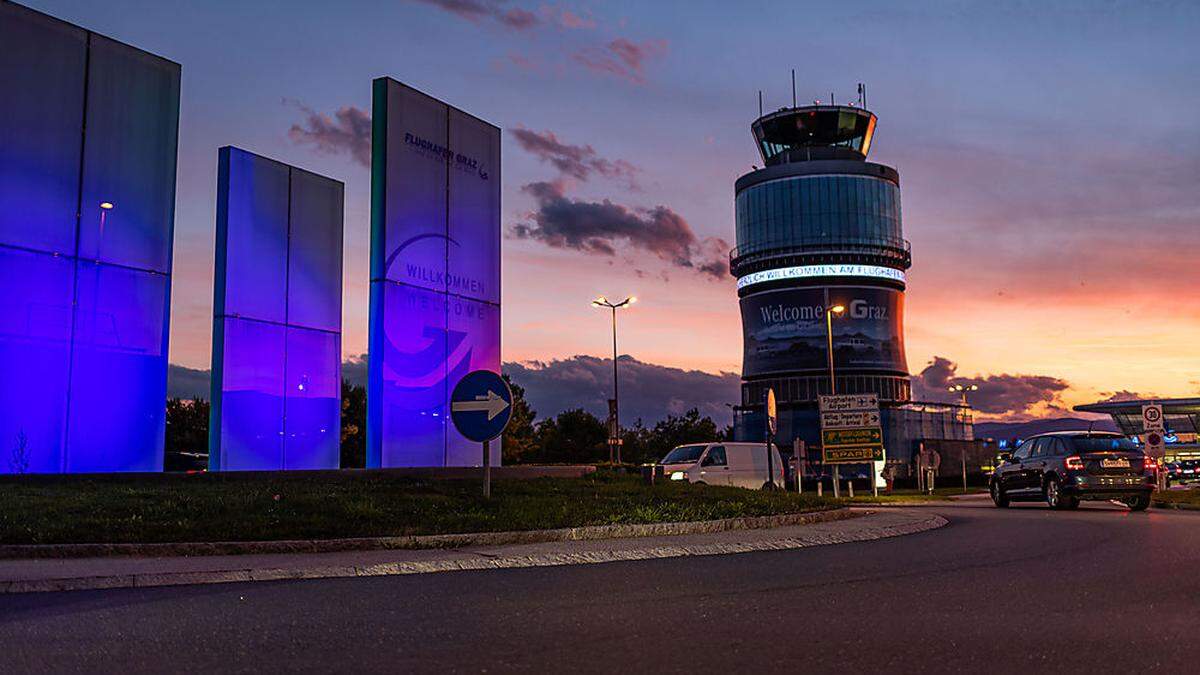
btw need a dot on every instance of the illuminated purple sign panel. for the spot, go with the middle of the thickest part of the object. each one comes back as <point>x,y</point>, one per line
<point>785,329</point>
<point>435,274</point>
<point>85,247</point>
<point>277,317</point>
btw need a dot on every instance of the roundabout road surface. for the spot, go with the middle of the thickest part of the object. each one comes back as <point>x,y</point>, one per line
<point>1019,590</point>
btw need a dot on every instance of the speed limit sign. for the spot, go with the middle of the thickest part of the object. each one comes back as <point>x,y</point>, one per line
<point>1152,417</point>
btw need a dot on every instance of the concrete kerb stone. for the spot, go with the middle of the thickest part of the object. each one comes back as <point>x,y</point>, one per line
<point>435,541</point>
<point>916,524</point>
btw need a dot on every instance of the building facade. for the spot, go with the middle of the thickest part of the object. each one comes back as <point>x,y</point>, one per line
<point>820,227</point>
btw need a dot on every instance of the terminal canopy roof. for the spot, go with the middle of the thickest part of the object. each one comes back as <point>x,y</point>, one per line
<point>1180,415</point>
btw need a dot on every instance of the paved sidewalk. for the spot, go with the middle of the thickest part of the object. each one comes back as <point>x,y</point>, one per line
<point>39,575</point>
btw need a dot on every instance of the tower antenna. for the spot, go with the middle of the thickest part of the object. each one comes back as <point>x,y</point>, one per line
<point>793,87</point>
<point>760,102</point>
<point>831,101</point>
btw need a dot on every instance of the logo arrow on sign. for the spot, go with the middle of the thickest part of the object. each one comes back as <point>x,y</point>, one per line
<point>492,404</point>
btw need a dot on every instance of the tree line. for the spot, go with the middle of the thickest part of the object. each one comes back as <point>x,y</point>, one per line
<point>573,436</point>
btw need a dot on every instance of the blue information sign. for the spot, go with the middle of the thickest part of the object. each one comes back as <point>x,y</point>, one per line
<point>481,405</point>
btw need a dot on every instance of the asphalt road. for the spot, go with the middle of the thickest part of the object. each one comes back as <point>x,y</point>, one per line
<point>1021,590</point>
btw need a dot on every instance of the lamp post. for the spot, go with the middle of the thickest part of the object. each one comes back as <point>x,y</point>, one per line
<point>961,390</point>
<point>615,432</point>
<point>836,309</point>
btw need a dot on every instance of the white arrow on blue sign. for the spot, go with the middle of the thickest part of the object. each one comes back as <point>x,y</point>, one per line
<point>481,405</point>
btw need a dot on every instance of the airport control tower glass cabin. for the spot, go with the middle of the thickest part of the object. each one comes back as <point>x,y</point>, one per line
<point>819,226</point>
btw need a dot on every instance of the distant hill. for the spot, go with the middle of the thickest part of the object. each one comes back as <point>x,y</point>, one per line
<point>1026,429</point>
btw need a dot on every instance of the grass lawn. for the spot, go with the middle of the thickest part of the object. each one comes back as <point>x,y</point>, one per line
<point>1176,498</point>
<point>231,507</point>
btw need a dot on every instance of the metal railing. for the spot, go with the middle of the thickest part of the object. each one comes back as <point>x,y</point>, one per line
<point>896,249</point>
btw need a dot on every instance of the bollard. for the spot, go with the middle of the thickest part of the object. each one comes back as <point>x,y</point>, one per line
<point>820,488</point>
<point>850,487</point>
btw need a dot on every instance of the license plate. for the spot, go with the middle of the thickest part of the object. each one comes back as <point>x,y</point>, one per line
<point>1114,463</point>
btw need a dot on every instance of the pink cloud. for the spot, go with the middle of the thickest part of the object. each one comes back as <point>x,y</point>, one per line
<point>622,58</point>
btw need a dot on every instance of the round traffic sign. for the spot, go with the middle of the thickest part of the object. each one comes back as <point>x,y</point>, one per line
<point>481,405</point>
<point>1151,414</point>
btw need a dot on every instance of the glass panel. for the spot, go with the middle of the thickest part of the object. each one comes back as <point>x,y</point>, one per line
<point>315,253</point>
<point>35,331</point>
<point>251,362</point>
<point>474,258</point>
<point>41,127</point>
<point>129,157</point>
<point>252,233</point>
<point>412,245</point>
<point>474,327</point>
<point>118,370</point>
<point>313,406</point>
<point>408,376</point>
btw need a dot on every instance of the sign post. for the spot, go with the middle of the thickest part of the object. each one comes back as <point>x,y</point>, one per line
<point>772,427</point>
<point>1154,428</point>
<point>480,408</point>
<point>851,433</point>
<point>800,455</point>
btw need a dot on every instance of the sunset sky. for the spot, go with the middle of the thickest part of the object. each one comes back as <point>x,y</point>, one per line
<point>1048,153</point>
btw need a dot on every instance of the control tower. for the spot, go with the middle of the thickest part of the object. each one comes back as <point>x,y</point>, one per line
<point>819,226</point>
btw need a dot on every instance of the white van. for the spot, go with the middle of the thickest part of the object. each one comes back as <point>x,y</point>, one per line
<point>737,464</point>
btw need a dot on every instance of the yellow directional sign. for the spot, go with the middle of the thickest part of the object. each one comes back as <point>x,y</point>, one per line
<point>850,429</point>
<point>853,454</point>
<point>859,436</point>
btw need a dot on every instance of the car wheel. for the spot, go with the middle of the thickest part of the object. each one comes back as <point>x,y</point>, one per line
<point>1138,503</point>
<point>1054,495</point>
<point>998,497</point>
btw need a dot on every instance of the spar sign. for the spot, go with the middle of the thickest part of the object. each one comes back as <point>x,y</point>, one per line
<point>850,429</point>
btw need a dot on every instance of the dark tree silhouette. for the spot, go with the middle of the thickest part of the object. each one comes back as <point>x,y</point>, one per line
<point>354,426</point>
<point>187,435</point>
<point>519,440</point>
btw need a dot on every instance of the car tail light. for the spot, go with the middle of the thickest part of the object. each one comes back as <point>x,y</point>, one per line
<point>1150,464</point>
<point>1074,463</point>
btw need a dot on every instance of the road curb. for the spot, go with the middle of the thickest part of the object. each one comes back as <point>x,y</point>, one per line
<point>434,541</point>
<point>915,524</point>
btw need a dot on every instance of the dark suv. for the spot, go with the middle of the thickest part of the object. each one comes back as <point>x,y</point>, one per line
<point>1067,466</point>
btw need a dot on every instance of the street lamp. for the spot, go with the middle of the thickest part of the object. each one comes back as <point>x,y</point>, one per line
<point>836,309</point>
<point>615,432</point>
<point>961,390</point>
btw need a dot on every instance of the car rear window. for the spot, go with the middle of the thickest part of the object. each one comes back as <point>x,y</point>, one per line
<point>1103,444</point>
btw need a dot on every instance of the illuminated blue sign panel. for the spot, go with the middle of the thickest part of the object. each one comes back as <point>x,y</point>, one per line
<point>88,133</point>
<point>435,274</point>
<point>277,317</point>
